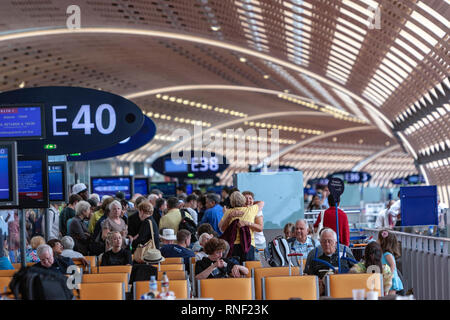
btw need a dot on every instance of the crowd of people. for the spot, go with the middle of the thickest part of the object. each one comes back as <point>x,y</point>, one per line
<point>220,231</point>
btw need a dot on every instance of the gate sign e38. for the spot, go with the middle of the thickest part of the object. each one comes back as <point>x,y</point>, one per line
<point>75,119</point>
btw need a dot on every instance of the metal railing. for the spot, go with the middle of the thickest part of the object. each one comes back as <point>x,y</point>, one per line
<point>425,264</point>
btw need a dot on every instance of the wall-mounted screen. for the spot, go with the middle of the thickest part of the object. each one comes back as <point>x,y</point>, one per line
<point>175,166</point>
<point>8,175</point>
<point>33,181</point>
<point>169,189</point>
<point>189,189</point>
<point>141,185</point>
<point>57,182</point>
<point>21,122</point>
<point>111,185</point>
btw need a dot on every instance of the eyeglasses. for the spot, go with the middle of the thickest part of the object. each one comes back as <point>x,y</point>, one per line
<point>327,241</point>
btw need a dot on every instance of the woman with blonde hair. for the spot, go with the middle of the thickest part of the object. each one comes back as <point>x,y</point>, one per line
<point>31,254</point>
<point>117,256</point>
<point>247,217</point>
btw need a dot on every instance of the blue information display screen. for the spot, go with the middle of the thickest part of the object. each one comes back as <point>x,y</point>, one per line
<point>21,122</point>
<point>56,183</point>
<point>110,186</point>
<point>169,189</point>
<point>30,180</point>
<point>4,175</point>
<point>141,186</point>
<point>175,166</point>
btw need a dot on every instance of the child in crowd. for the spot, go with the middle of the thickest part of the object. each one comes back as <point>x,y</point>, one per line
<point>391,252</point>
<point>289,230</point>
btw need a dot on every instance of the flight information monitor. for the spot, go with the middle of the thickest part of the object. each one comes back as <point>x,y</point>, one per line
<point>21,122</point>
<point>111,185</point>
<point>169,189</point>
<point>141,185</point>
<point>175,166</point>
<point>33,181</point>
<point>57,182</point>
<point>8,175</point>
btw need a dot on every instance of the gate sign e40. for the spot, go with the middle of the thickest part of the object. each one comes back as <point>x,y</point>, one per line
<point>76,120</point>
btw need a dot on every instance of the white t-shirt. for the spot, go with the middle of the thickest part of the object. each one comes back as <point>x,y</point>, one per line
<point>71,254</point>
<point>260,240</point>
<point>382,220</point>
<point>395,208</point>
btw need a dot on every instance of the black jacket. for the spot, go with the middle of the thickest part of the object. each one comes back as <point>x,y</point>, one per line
<point>145,233</point>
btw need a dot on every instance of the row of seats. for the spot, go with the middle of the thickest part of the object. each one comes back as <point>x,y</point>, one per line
<point>261,283</point>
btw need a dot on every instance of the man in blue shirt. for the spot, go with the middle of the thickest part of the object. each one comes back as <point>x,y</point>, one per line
<point>180,249</point>
<point>214,212</point>
<point>302,243</point>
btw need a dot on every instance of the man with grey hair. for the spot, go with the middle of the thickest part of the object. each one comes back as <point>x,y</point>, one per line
<point>152,199</point>
<point>68,244</point>
<point>324,258</point>
<point>49,262</point>
<point>302,243</point>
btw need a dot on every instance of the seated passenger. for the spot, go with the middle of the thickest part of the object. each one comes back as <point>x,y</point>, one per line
<point>68,244</point>
<point>324,259</point>
<point>180,249</point>
<point>302,243</point>
<point>214,265</point>
<point>118,255</point>
<point>372,258</point>
<point>204,237</point>
<point>31,254</point>
<point>49,261</point>
<point>203,228</point>
<point>289,230</point>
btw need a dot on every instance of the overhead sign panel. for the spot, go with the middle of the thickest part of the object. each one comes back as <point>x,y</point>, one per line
<point>141,138</point>
<point>352,176</point>
<point>199,165</point>
<point>76,119</point>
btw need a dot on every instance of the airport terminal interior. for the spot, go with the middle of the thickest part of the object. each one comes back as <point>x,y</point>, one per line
<point>322,127</point>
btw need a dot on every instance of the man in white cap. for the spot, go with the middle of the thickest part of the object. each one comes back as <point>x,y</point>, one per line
<point>168,236</point>
<point>81,190</point>
<point>180,248</point>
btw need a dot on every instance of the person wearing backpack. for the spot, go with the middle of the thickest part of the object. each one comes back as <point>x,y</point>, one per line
<point>173,217</point>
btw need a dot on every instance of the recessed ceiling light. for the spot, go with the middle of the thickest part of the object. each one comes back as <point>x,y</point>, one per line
<point>334,139</point>
<point>360,141</point>
<point>22,85</point>
<point>215,28</point>
<point>266,76</point>
<point>242,59</point>
<point>387,143</point>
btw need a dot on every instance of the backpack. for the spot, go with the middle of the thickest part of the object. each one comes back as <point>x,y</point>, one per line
<point>32,283</point>
<point>188,224</point>
<point>278,250</point>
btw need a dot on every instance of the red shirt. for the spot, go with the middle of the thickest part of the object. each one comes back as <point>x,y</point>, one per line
<point>329,221</point>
